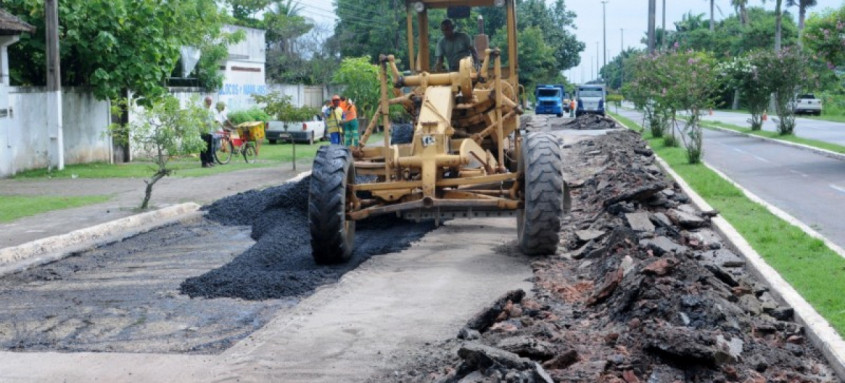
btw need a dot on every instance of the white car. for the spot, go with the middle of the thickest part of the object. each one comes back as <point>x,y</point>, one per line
<point>807,103</point>
<point>309,131</point>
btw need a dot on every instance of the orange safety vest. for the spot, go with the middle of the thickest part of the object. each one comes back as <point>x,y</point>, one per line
<point>350,112</point>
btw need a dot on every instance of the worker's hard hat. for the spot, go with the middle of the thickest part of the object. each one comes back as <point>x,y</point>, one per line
<point>336,97</point>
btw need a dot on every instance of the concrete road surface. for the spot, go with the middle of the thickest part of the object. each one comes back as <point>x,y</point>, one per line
<point>827,131</point>
<point>808,186</point>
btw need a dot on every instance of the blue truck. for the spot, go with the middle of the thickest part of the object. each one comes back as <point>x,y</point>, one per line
<point>550,99</point>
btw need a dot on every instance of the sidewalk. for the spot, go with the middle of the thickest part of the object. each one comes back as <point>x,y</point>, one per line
<point>127,194</point>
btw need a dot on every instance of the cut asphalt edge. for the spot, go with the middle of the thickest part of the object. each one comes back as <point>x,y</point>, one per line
<point>46,250</point>
<point>820,332</point>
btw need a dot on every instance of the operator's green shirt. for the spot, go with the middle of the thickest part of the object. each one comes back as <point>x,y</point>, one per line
<point>454,49</point>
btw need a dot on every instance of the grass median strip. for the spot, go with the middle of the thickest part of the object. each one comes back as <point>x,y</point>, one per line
<point>775,136</point>
<point>814,270</point>
<point>13,207</point>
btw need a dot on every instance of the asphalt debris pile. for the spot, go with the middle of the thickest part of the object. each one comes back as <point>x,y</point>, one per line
<point>587,122</point>
<point>643,290</point>
<point>280,265</point>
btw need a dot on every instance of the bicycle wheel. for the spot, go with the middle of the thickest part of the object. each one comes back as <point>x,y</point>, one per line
<point>223,154</point>
<point>249,152</point>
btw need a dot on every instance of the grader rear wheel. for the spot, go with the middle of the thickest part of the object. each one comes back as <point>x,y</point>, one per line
<point>332,235</point>
<point>538,223</point>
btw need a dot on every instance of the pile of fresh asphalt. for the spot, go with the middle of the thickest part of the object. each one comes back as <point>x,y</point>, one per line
<point>280,263</point>
<point>642,290</point>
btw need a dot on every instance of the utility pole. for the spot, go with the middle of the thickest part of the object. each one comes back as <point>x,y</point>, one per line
<point>598,54</point>
<point>604,32</point>
<point>651,10</point>
<point>621,56</point>
<point>54,86</point>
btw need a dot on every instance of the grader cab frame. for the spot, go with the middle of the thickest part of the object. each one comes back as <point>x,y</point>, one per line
<point>467,156</point>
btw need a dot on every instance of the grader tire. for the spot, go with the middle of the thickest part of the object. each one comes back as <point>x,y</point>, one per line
<point>538,223</point>
<point>332,235</point>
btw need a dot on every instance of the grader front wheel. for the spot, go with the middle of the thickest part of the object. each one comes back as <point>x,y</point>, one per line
<point>538,223</point>
<point>332,235</point>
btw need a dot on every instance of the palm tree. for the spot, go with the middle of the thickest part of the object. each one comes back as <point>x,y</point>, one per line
<point>802,10</point>
<point>778,22</point>
<point>712,20</point>
<point>739,5</point>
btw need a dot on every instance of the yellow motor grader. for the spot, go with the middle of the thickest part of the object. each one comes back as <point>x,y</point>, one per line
<point>466,158</point>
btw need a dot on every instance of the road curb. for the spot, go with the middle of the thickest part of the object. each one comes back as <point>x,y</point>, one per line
<point>50,249</point>
<point>820,333</point>
<point>824,152</point>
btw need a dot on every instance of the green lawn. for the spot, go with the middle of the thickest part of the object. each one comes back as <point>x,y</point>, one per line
<point>13,207</point>
<point>269,155</point>
<point>776,136</point>
<point>814,270</point>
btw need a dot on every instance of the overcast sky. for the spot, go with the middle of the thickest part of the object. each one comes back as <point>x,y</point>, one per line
<point>630,15</point>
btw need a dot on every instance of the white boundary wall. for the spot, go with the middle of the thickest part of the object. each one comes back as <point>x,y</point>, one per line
<point>24,139</point>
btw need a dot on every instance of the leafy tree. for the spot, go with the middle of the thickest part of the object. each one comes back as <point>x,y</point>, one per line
<point>113,46</point>
<point>375,27</point>
<point>162,131</point>
<point>360,83</point>
<point>731,37</point>
<point>744,74</point>
<point>614,72</point>
<point>245,10</point>
<point>825,36</point>
<point>785,71</point>
<point>693,89</point>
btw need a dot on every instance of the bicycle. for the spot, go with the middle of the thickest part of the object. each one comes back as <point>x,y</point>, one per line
<point>228,146</point>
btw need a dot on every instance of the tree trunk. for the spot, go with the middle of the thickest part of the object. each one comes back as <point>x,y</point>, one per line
<point>149,190</point>
<point>743,14</point>
<point>735,104</point>
<point>712,20</point>
<point>778,24</point>
<point>802,14</point>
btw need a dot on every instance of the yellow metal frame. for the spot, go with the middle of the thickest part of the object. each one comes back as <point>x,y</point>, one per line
<point>460,146</point>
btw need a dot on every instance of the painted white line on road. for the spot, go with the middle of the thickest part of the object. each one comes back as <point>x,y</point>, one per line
<point>761,159</point>
<point>837,188</point>
<point>752,155</point>
<point>798,173</point>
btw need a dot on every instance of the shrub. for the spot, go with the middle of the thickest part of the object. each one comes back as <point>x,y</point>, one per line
<point>248,115</point>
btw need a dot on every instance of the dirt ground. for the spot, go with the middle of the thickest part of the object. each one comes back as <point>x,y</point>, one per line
<point>642,290</point>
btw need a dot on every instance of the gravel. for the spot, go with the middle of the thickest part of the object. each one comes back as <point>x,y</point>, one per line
<point>280,264</point>
<point>628,306</point>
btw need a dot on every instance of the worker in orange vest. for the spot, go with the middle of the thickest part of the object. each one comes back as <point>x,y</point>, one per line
<point>350,122</point>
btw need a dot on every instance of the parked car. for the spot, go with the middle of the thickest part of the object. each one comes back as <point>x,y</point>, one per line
<point>807,103</point>
<point>309,131</point>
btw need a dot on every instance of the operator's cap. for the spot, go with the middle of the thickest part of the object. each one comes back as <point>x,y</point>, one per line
<point>335,98</point>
